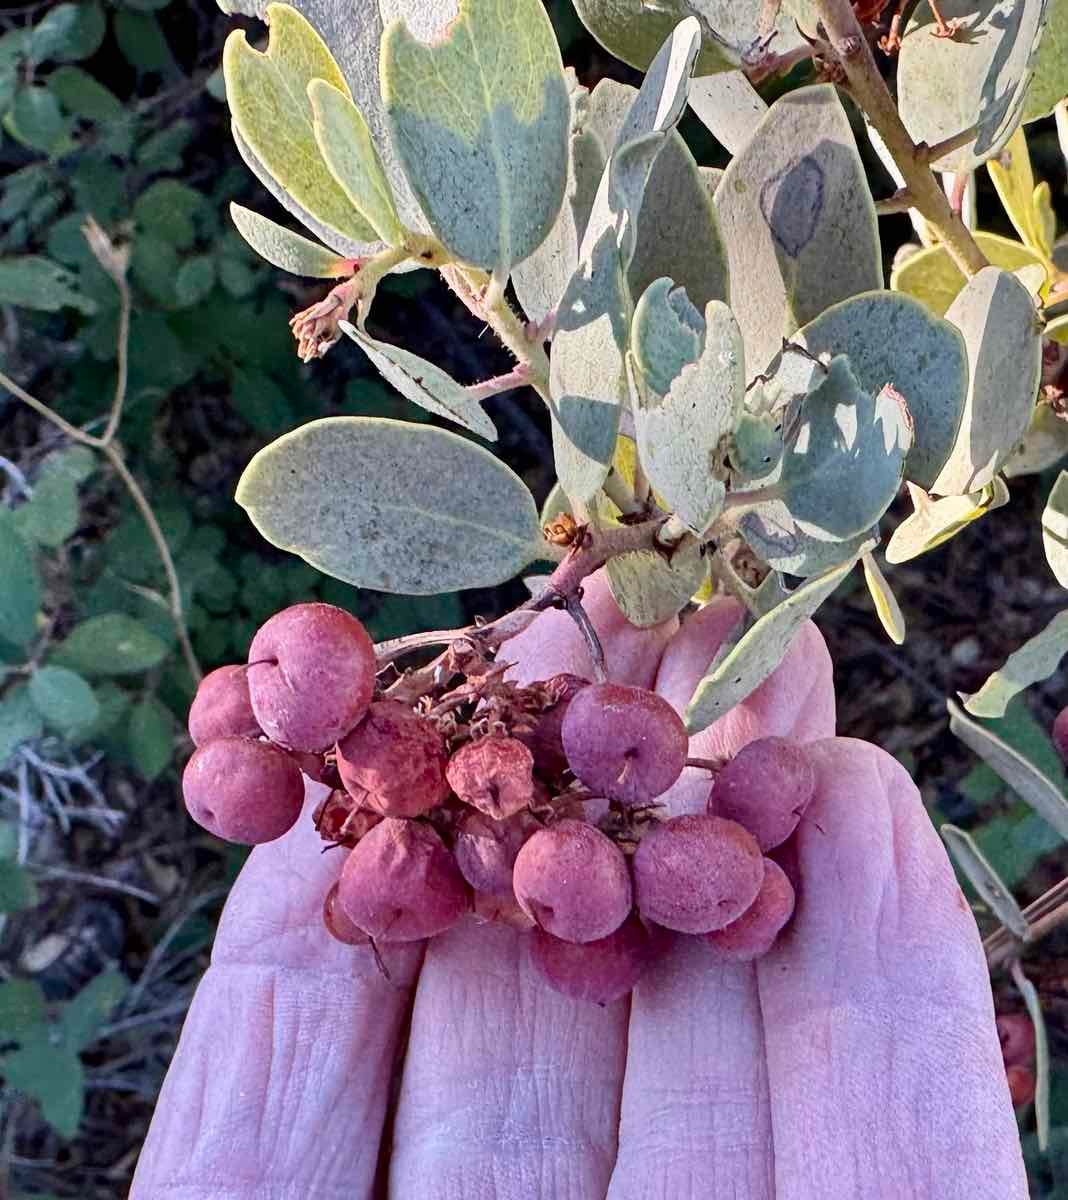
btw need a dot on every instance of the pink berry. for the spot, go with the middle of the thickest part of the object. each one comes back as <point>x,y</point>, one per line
<point>573,881</point>
<point>338,924</point>
<point>1016,1034</point>
<point>221,707</point>
<point>600,971</point>
<point>243,790</point>
<point>494,774</point>
<point>765,787</point>
<point>753,934</point>
<point>486,850</point>
<point>311,675</point>
<point>394,760</point>
<point>624,742</point>
<point>1059,733</point>
<point>696,873</point>
<point>544,739</point>
<point>401,884</point>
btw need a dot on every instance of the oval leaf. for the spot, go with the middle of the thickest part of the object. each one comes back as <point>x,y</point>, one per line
<point>1036,659</point>
<point>650,589</point>
<point>984,879</point>
<point>1026,780</point>
<point>1055,529</point>
<point>892,338</point>
<point>267,94</point>
<point>1002,333</point>
<point>285,250</point>
<point>1049,80</point>
<point>483,143</point>
<point>111,644</point>
<point>423,383</point>
<point>391,505</point>
<point>758,652</point>
<point>1043,445</point>
<point>64,700</point>
<point>978,77</point>
<point>20,591</point>
<point>729,107</point>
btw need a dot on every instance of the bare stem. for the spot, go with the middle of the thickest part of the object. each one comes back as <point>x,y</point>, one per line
<point>931,154</point>
<point>574,609</point>
<point>869,89</point>
<point>517,377</point>
<point>1043,916</point>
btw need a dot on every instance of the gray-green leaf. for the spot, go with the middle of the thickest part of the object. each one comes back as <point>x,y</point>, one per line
<point>1049,80</point>
<point>984,879</point>
<point>19,721</point>
<point>933,522</point>
<point>1055,529</point>
<point>391,505</point>
<point>20,587</point>
<point>151,737</point>
<point>83,1016</point>
<point>64,699</point>
<point>759,651</point>
<point>52,1075</point>
<point>30,281</point>
<point>1036,659</point>
<point>286,250</point>
<point>649,589</point>
<point>424,384</point>
<point>1043,445</point>
<point>111,644</point>
<point>1003,336</point>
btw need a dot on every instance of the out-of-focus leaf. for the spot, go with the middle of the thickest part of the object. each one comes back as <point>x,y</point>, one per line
<point>979,77</point>
<point>345,143</point>
<point>83,1015</point>
<point>52,1075</point>
<point>111,644</point>
<point>586,368</point>
<point>1042,1061</point>
<point>484,145</point>
<point>935,521</point>
<point>1055,529</point>
<point>1049,83</point>
<point>267,94</point>
<point>64,699</point>
<point>745,665</point>
<point>1029,783</point>
<point>68,33</point>
<point>142,42</point>
<point>194,281</point>
<point>30,281</point>
<point>17,892</point>
<point>984,879</point>
<point>1002,333</point>
<point>22,1007</point>
<point>1043,445</point>
<point>20,587</point>
<point>166,209</point>
<point>19,721</point>
<point>285,250</point>
<point>84,96</point>
<point>798,221</point>
<point>390,505</point>
<point>424,384</point>
<point>1036,659</point>
<point>935,280</point>
<point>262,403</point>
<point>891,338</point>
<point>150,737</point>
<point>882,596</point>
<point>691,382</point>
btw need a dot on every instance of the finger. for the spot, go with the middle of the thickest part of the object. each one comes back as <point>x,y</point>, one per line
<point>508,1088</point>
<point>695,1118</point>
<point>279,1084</point>
<point>884,1065</point>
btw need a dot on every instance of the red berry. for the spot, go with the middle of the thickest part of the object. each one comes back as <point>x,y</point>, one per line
<point>1059,733</point>
<point>1017,1036</point>
<point>753,933</point>
<point>243,790</point>
<point>494,774</point>
<point>765,787</point>
<point>338,924</point>
<point>600,971</point>
<point>486,850</point>
<point>394,761</point>
<point>221,707</point>
<point>1021,1082</point>
<point>545,740</point>
<point>311,675</point>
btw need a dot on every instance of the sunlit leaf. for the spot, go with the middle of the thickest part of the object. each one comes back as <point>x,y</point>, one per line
<point>649,588</point>
<point>933,522</point>
<point>729,107</point>
<point>287,250</point>
<point>935,280</point>
<point>1002,333</point>
<point>978,77</point>
<point>1025,779</point>
<point>984,879</point>
<point>1055,529</point>
<point>424,383</point>
<point>267,94</point>
<point>798,221</point>
<point>484,144</point>
<point>1012,176</point>
<point>691,381</point>
<point>758,652</point>
<point>882,596</point>
<point>1043,445</point>
<point>891,338</point>
<point>392,505</point>
<point>1036,659</point>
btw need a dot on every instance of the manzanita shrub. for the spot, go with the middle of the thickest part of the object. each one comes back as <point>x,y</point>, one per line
<point>736,398</point>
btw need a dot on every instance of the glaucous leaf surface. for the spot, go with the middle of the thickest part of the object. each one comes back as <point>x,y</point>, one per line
<point>690,387</point>
<point>650,589</point>
<point>344,141</point>
<point>480,116</point>
<point>1049,81</point>
<point>891,338</point>
<point>586,367</point>
<point>933,278</point>
<point>287,250</point>
<point>634,31</point>
<point>978,77</point>
<point>798,221</point>
<point>541,279</point>
<point>391,505</point>
<point>882,597</point>
<point>1055,529</point>
<point>729,107</point>
<point>1025,779</point>
<point>1043,445</point>
<point>1002,333</point>
<point>787,546</point>
<point>746,664</point>
<point>982,876</point>
<point>1035,660</point>
<point>756,445</point>
<point>267,94</point>
<point>424,383</point>
<point>934,521</point>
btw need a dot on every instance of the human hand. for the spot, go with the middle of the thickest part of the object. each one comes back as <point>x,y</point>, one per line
<point>857,1060</point>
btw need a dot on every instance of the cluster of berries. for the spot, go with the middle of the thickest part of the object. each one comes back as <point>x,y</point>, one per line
<point>456,790</point>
